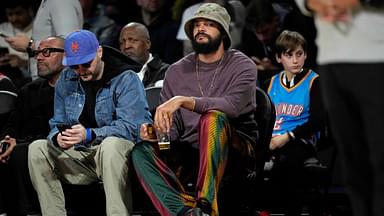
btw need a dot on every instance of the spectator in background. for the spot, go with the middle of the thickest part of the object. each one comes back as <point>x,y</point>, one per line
<point>235,9</point>
<point>156,15</point>
<point>102,102</point>
<point>14,63</point>
<point>122,12</point>
<point>350,41</point>
<point>136,43</point>
<point>264,22</point>
<point>54,17</point>
<point>29,122</point>
<point>105,29</point>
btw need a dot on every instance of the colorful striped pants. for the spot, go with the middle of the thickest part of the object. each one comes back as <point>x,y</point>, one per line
<point>161,183</point>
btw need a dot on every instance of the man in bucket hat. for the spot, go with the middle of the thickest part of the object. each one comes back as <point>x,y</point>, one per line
<point>208,101</point>
<point>99,103</point>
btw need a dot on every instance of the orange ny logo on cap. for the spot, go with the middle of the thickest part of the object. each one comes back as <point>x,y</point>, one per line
<point>74,46</point>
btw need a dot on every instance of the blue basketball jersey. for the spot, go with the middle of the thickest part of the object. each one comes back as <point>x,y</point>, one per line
<point>292,104</point>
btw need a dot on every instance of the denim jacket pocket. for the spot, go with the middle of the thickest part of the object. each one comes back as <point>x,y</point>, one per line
<point>105,110</point>
<point>74,104</point>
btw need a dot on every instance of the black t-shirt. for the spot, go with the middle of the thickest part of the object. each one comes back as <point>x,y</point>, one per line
<point>34,109</point>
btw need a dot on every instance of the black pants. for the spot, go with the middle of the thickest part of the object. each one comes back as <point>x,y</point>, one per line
<point>23,198</point>
<point>4,182</point>
<point>288,178</point>
<point>354,98</point>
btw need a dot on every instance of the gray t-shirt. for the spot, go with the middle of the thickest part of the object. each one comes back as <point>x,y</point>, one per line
<point>359,40</point>
<point>55,18</point>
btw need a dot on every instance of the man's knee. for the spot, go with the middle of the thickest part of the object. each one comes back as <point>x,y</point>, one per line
<point>213,115</point>
<point>114,146</point>
<point>140,151</point>
<point>36,148</point>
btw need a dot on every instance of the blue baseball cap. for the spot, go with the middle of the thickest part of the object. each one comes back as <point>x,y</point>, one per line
<point>80,47</point>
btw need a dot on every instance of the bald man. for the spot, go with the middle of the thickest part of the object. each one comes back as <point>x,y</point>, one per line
<point>30,121</point>
<point>135,42</point>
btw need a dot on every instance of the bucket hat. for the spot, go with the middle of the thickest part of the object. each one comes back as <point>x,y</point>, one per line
<point>213,12</point>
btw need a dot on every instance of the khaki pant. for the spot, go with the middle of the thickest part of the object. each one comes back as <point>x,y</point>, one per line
<point>107,162</point>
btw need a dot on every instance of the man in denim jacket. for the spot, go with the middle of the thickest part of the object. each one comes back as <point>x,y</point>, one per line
<point>101,101</point>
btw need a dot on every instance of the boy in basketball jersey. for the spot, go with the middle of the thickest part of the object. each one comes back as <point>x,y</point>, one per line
<point>296,96</point>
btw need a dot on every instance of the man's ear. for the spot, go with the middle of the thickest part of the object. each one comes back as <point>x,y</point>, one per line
<point>148,44</point>
<point>100,52</point>
<point>278,59</point>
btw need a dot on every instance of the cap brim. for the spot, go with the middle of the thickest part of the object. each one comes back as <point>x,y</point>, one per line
<point>69,61</point>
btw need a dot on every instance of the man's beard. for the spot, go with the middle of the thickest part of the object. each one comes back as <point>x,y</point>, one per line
<point>206,48</point>
<point>44,72</point>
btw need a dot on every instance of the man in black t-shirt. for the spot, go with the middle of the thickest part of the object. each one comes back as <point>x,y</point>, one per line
<point>29,121</point>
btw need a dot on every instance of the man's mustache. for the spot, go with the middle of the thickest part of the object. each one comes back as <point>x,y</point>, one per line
<point>202,34</point>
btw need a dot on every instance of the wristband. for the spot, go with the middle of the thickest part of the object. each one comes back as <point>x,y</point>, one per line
<point>88,135</point>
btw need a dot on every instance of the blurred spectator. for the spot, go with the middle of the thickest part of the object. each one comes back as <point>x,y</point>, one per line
<point>157,16</point>
<point>122,12</point>
<point>54,17</point>
<point>235,9</point>
<point>135,43</point>
<point>351,62</point>
<point>105,29</point>
<point>264,22</point>
<point>13,63</point>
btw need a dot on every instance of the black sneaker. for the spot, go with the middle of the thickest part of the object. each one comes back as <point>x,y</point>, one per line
<point>205,206</point>
<point>194,212</point>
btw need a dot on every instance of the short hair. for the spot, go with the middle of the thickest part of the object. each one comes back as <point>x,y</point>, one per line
<point>288,41</point>
<point>139,26</point>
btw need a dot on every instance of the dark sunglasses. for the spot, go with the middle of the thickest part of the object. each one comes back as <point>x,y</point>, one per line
<point>85,65</point>
<point>47,51</point>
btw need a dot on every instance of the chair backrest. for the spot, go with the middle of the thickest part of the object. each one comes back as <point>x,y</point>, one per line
<point>265,117</point>
<point>8,101</point>
<point>153,98</point>
<point>7,104</point>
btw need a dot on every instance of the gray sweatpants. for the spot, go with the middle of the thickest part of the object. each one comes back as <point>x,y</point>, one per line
<point>107,162</point>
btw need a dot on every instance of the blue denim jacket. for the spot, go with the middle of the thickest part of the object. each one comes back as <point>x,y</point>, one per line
<point>121,106</point>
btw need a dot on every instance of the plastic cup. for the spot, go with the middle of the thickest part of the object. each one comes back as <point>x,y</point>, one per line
<point>163,140</point>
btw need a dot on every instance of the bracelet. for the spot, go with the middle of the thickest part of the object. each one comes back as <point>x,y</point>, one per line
<point>194,103</point>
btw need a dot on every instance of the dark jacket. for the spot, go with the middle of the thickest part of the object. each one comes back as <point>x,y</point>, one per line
<point>34,108</point>
<point>155,71</point>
